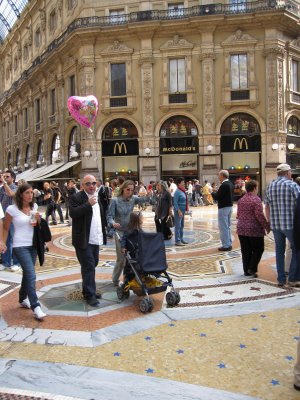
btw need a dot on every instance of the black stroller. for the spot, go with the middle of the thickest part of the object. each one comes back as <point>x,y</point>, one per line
<point>145,270</point>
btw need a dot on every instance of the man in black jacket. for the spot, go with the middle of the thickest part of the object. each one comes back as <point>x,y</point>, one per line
<point>224,196</point>
<point>88,233</point>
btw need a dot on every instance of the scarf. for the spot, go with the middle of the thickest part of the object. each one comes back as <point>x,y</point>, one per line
<point>186,200</point>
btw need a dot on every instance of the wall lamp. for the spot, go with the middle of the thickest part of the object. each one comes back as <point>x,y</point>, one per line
<point>147,151</point>
<point>26,165</point>
<point>74,154</point>
<point>209,148</point>
<point>290,146</point>
<point>87,154</point>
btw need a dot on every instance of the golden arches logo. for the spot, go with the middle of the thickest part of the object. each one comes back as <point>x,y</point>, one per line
<point>239,143</point>
<point>120,146</point>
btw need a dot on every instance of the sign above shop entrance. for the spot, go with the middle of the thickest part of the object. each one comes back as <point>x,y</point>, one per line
<point>240,143</point>
<point>129,147</point>
<point>178,145</point>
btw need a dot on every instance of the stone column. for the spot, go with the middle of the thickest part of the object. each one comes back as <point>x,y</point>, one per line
<point>276,132</point>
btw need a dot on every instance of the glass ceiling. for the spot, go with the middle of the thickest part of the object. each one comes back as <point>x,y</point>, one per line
<point>10,11</point>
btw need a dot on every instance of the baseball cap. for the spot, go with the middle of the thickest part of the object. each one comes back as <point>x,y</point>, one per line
<point>283,167</point>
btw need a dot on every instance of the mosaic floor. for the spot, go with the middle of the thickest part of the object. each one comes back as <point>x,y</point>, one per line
<point>230,337</point>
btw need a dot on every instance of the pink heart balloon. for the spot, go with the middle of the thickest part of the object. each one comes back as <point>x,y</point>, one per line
<point>83,109</point>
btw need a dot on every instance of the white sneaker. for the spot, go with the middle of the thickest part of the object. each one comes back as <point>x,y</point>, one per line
<point>25,303</point>
<point>38,313</point>
<point>2,267</point>
<point>14,268</point>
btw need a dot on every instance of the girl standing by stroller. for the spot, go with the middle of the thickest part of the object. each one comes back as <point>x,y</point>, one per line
<point>129,241</point>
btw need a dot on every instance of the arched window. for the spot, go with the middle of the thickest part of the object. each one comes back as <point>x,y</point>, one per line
<point>74,143</point>
<point>120,129</point>
<point>27,154</point>
<point>178,126</point>
<point>55,153</point>
<point>293,126</point>
<point>240,124</point>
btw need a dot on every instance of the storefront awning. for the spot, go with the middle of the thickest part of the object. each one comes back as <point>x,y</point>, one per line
<point>24,174</point>
<point>38,173</point>
<point>62,168</point>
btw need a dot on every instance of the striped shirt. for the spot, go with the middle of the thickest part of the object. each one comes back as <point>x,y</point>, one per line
<point>281,196</point>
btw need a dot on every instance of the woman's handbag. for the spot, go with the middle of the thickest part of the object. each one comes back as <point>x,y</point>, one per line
<point>170,221</point>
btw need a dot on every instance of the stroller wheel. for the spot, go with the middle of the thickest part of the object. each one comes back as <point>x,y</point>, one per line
<point>177,295</point>
<point>151,304</point>
<point>171,299</point>
<point>146,305</point>
<point>121,293</point>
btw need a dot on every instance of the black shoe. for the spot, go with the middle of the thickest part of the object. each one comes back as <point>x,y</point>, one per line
<point>225,248</point>
<point>93,302</point>
<point>179,244</point>
<point>297,387</point>
<point>98,296</point>
<point>184,242</point>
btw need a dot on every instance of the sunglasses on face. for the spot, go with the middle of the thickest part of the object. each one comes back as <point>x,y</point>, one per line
<point>90,184</point>
<point>129,190</point>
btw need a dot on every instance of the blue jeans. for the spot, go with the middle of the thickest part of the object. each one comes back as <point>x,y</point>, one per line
<point>280,237</point>
<point>27,257</point>
<point>224,221</point>
<point>9,254</point>
<point>179,225</point>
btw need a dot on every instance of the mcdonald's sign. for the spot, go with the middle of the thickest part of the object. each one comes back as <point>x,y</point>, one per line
<point>239,143</point>
<point>119,147</point>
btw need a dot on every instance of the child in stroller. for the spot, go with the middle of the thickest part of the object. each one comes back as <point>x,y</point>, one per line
<point>145,270</point>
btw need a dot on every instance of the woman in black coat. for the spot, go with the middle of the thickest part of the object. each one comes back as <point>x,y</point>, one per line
<point>163,210</point>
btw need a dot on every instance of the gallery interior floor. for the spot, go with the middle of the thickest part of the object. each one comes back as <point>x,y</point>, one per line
<point>230,337</point>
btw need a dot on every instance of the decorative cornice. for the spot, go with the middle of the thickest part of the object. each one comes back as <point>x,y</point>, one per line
<point>176,43</point>
<point>116,48</point>
<point>239,38</point>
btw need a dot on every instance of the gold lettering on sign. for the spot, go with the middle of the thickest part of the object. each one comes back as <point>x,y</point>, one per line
<point>120,147</point>
<point>239,143</point>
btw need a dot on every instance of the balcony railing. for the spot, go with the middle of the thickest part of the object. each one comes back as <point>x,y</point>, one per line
<point>118,102</point>
<point>155,15</point>
<point>177,98</point>
<point>240,95</point>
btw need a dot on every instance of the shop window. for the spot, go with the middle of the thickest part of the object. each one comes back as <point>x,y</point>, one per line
<point>40,151</point>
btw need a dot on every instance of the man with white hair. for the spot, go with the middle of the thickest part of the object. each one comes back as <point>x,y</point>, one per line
<point>224,196</point>
<point>281,197</point>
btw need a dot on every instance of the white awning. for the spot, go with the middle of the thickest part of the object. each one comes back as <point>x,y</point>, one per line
<point>24,174</point>
<point>62,168</point>
<point>38,173</point>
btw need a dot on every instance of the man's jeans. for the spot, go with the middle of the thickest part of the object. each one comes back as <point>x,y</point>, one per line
<point>27,256</point>
<point>179,225</point>
<point>280,237</point>
<point>224,220</point>
<point>9,254</point>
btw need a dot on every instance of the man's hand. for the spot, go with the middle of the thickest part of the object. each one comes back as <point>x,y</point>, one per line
<point>93,200</point>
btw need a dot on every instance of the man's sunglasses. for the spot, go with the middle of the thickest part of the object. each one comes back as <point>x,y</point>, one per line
<point>90,183</point>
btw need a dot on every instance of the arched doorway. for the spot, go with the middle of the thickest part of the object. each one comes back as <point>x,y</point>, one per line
<point>120,150</point>
<point>55,149</point>
<point>241,149</point>
<point>178,145</point>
